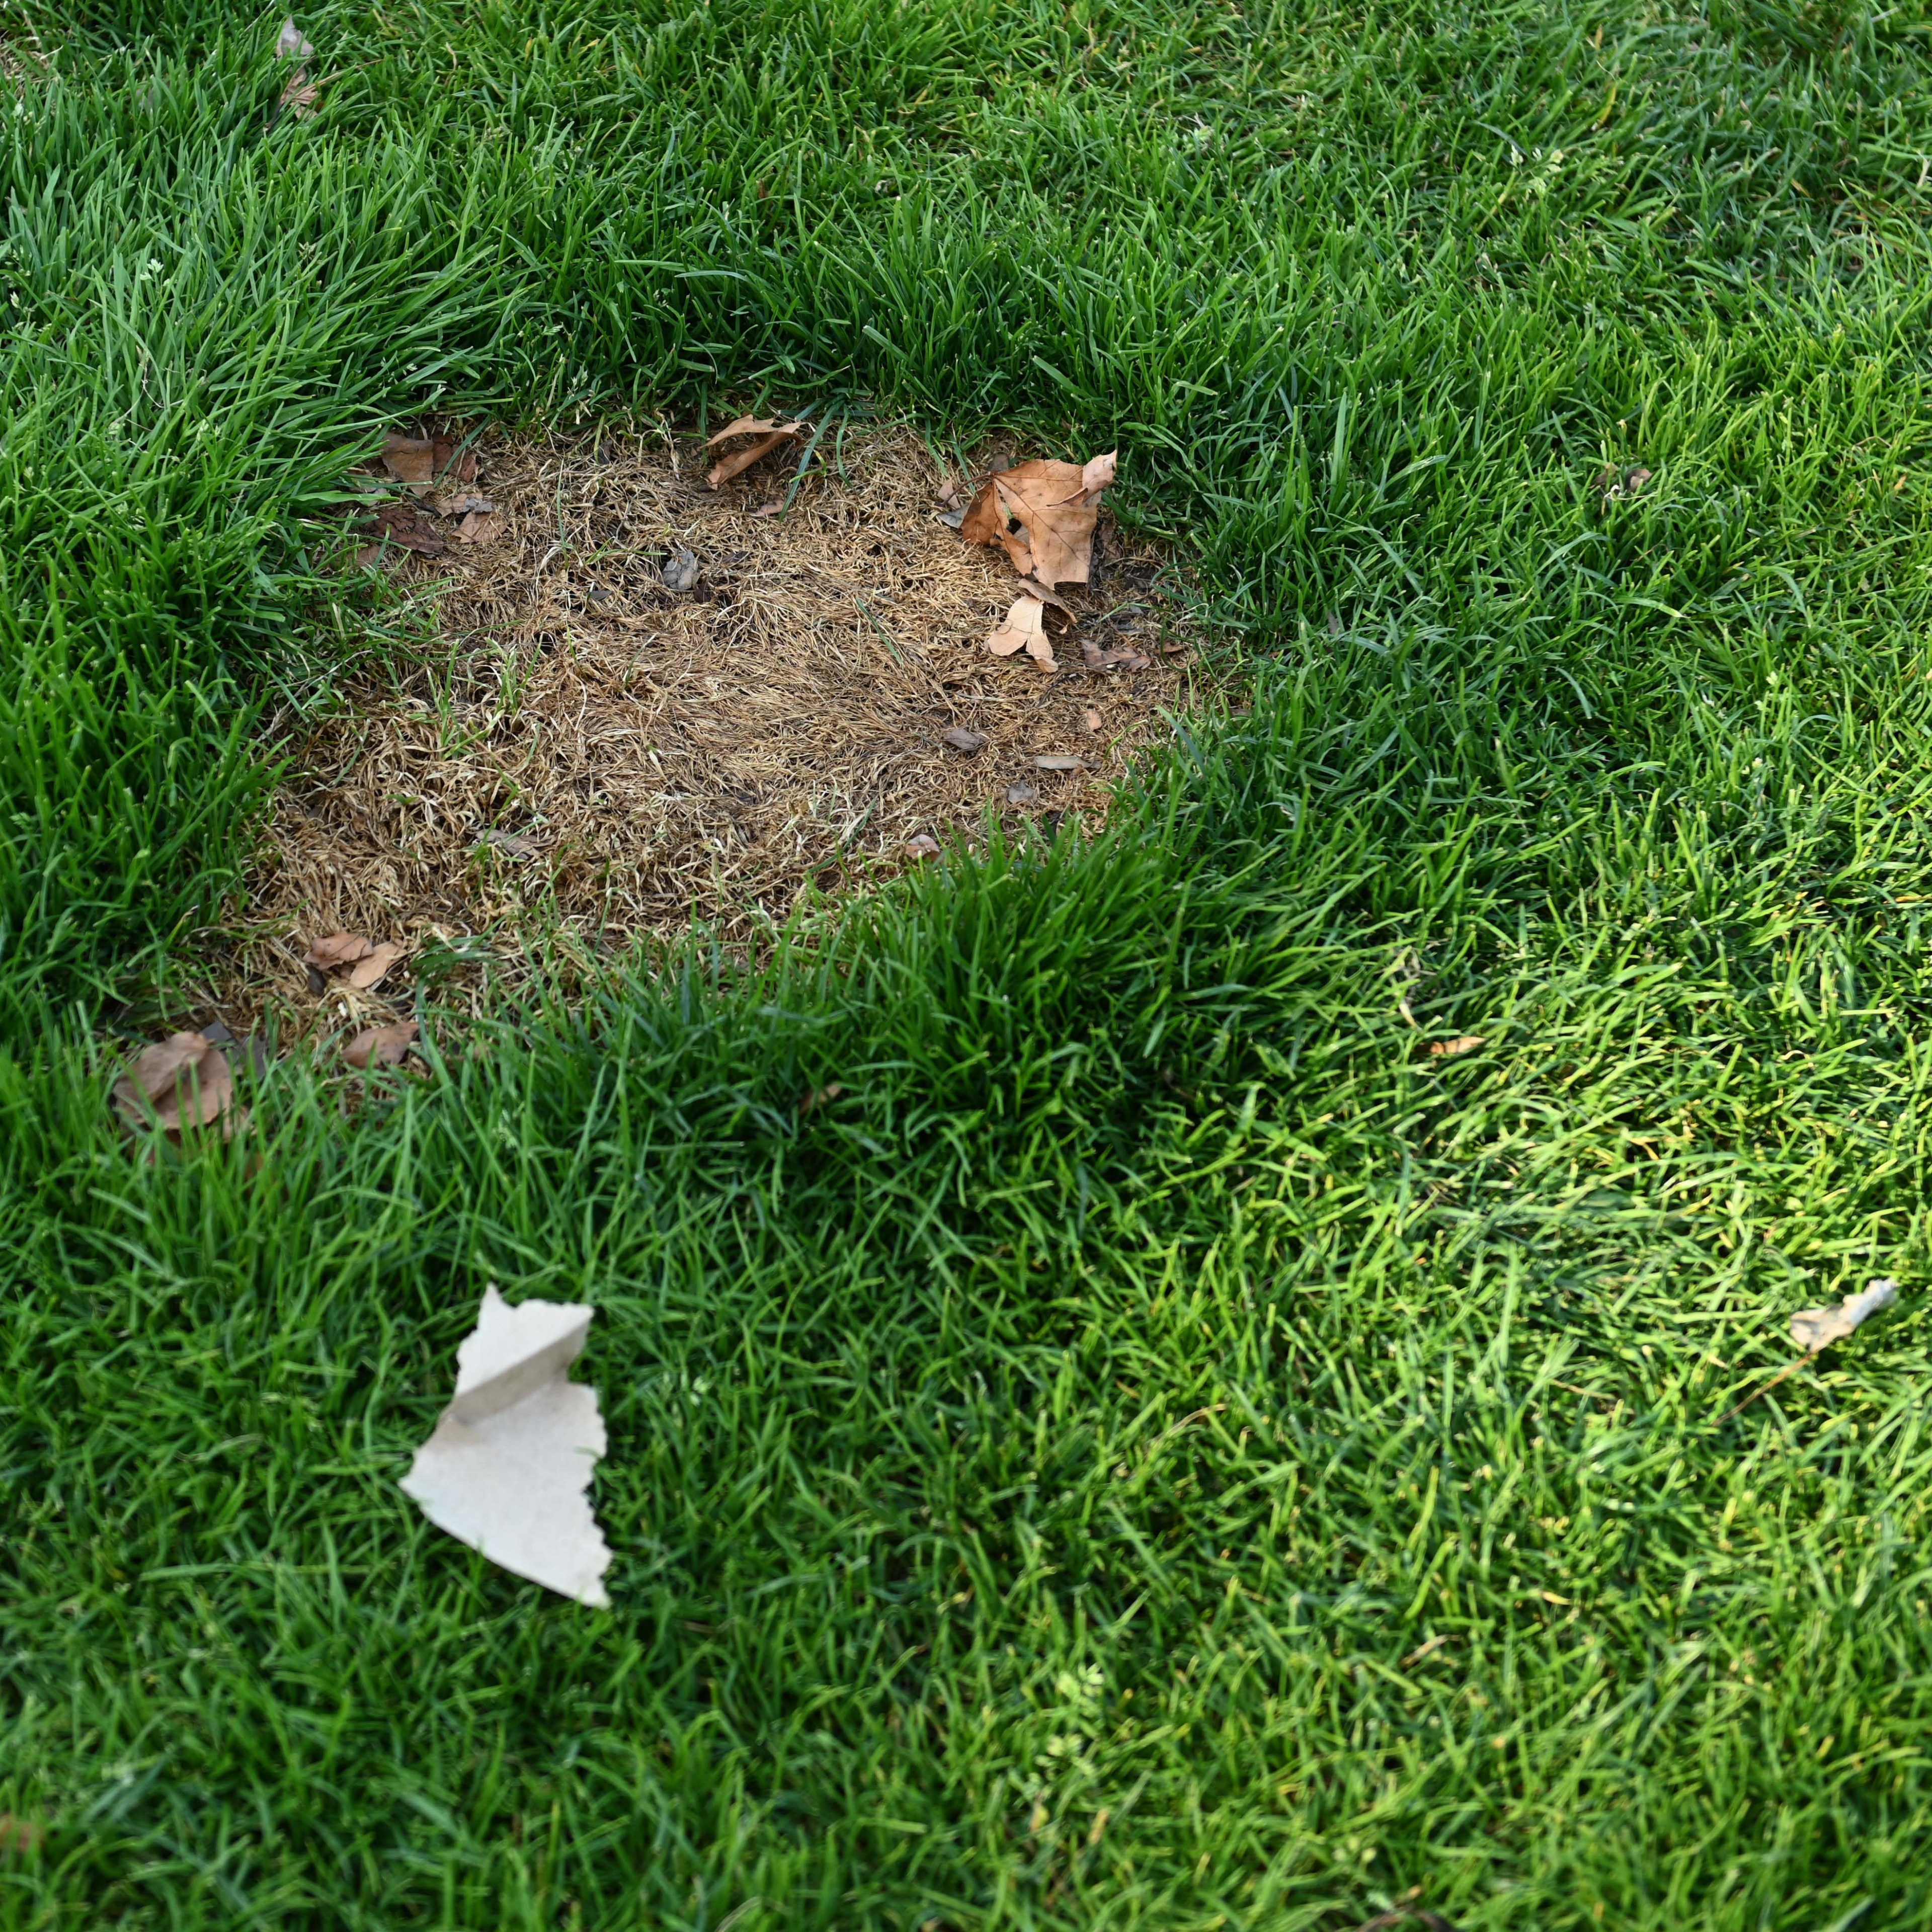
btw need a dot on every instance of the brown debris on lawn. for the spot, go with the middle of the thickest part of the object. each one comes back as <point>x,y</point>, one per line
<point>660,707</point>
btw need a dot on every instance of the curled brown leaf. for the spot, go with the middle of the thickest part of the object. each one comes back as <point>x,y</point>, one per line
<point>767,432</point>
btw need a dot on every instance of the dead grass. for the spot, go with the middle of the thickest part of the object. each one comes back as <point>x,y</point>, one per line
<point>600,757</point>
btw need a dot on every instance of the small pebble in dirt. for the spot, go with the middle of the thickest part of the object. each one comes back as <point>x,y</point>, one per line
<point>679,572</point>
<point>1022,794</point>
<point>962,741</point>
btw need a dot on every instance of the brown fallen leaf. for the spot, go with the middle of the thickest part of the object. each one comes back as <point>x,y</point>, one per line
<point>19,1834</point>
<point>1042,513</point>
<point>769,432</point>
<point>1466,1042</point>
<point>369,554</point>
<point>1092,719</point>
<point>1021,793</point>
<point>410,459</point>
<point>386,1046</point>
<point>1033,587</point>
<point>291,43</point>
<point>299,96</point>
<point>478,527</point>
<point>466,505</point>
<point>372,969</point>
<point>922,845</point>
<point>515,843</point>
<point>820,1096</point>
<point>962,740</point>
<point>773,508</point>
<point>1024,629</point>
<point>949,497</point>
<point>183,1081</point>
<point>406,525</point>
<point>154,1074</point>
<point>337,950</point>
<point>1095,659</point>
<point>448,460</point>
<point>1056,764</point>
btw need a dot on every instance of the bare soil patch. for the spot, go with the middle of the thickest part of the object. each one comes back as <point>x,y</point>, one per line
<point>610,750</point>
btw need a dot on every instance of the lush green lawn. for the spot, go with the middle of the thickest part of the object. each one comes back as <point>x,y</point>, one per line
<point>1161,1450</point>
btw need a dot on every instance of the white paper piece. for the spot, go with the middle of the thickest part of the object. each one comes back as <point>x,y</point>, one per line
<point>1815,1328</point>
<point>507,1468</point>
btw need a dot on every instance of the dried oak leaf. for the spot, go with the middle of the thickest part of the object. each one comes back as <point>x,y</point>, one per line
<point>1042,513</point>
<point>768,433</point>
<point>372,969</point>
<point>386,1046</point>
<point>1813,1329</point>
<point>1024,629</point>
<point>465,504</point>
<point>478,526</point>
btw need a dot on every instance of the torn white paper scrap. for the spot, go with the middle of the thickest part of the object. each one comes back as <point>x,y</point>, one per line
<point>1816,1328</point>
<point>507,1468</point>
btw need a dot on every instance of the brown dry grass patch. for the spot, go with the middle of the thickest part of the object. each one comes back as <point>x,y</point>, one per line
<point>593,753</point>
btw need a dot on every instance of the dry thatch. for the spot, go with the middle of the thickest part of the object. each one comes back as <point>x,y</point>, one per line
<point>600,754</point>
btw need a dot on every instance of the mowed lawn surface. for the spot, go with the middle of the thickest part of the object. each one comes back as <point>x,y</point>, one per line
<point>1161,1450</point>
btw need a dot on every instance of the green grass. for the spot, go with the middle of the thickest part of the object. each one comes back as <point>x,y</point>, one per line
<point>1160,1451</point>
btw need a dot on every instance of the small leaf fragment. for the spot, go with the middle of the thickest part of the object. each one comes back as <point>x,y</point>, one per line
<point>962,740</point>
<point>1058,764</point>
<point>679,572</point>
<point>1813,1329</point>
<point>922,845</point>
<point>478,526</point>
<point>1092,719</point>
<point>1466,1042</point>
<point>1020,793</point>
